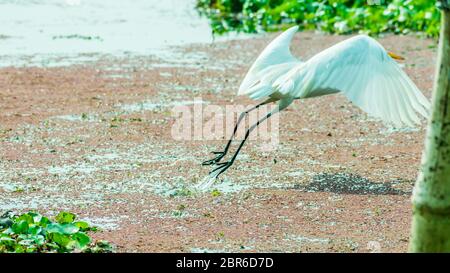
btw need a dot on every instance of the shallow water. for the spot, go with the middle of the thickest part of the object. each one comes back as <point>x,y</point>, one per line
<point>37,32</point>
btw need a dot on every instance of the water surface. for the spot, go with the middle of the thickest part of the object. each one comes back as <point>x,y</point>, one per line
<point>39,31</point>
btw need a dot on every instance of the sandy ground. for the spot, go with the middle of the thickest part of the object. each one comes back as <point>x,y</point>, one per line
<point>95,139</point>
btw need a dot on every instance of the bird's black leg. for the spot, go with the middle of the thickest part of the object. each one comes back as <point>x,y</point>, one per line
<point>220,155</point>
<point>225,165</point>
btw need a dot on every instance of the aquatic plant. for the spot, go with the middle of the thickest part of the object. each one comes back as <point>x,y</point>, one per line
<point>31,232</point>
<point>331,16</point>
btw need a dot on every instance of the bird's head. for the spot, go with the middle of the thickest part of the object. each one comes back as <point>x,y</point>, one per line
<point>395,56</point>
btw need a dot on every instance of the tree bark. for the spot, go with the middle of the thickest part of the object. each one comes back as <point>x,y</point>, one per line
<point>431,197</point>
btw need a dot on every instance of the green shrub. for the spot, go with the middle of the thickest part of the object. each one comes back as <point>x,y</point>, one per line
<point>331,16</point>
<point>32,232</point>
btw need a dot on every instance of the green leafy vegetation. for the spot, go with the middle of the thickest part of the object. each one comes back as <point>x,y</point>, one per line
<point>32,232</point>
<point>331,16</point>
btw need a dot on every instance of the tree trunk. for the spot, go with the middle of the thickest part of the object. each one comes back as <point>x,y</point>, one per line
<point>431,197</point>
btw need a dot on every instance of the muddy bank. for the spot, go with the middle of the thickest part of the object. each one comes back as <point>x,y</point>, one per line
<point>95,139</point>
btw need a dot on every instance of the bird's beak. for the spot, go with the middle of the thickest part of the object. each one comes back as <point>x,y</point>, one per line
<point>395,56</point>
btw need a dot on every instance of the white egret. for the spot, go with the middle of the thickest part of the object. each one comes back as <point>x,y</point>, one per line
<point>358,67</point>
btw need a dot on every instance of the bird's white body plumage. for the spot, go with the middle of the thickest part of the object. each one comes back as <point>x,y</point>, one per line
<point>358,67</point>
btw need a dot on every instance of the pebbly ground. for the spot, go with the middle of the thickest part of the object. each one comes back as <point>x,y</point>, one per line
<point>95,138</point>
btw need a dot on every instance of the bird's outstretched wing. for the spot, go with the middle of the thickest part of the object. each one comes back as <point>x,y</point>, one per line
<point>362,69</point>
<point>275,60</point>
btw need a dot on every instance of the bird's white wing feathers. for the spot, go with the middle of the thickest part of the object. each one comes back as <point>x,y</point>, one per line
<point>361,69</point>
<point>262,85</point>
<point>275,60</point>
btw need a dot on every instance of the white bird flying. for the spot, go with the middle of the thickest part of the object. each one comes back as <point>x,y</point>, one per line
<point>358,67</point>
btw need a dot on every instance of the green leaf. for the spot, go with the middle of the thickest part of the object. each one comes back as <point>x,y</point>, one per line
<point>20,227</point>
<point>61,239</point>
<point>53,228</point>
<point>19,249</point>
<point>69,228</point>
<point>82,225</point>
<point>33,229</point>
<point>44,221</point>
<point>7,241</point>
<point>36,217</point>
<point>65,217</point>
<point>72,245</point>
<point>39,240</point>
<point>25,217</point>
<point>62,228</point>
<point>82,239</point>
<point>23,236</point>
<point>52,246</point>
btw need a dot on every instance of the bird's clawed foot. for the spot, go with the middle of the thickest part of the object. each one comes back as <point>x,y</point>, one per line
<point>216,159</point>
<point>222,167</point>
